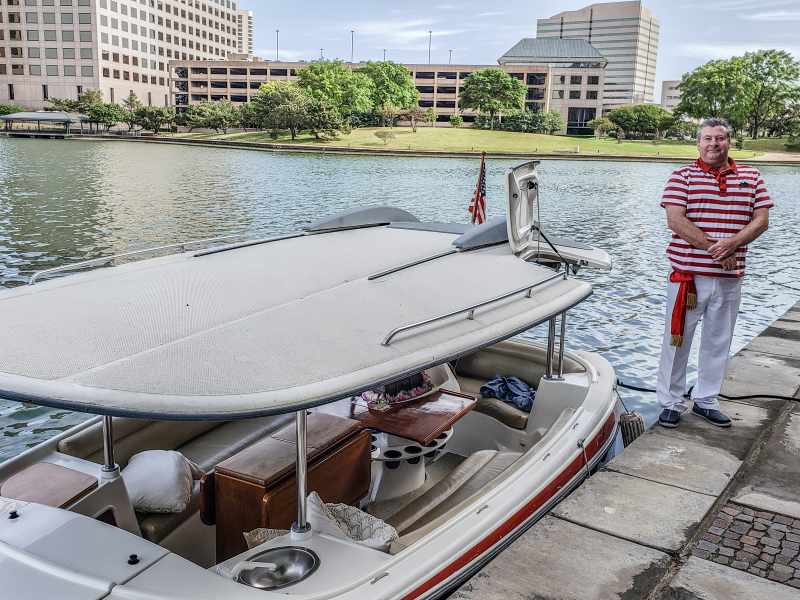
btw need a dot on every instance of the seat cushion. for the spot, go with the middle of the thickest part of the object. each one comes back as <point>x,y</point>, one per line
<point>470,477</point>
<point>504,412</point>
<point>156,526</point>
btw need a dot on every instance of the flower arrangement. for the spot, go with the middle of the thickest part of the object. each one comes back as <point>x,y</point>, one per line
<point>381,399</point>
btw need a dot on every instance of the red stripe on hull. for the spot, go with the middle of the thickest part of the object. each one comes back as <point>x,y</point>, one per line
<point>519,517</point>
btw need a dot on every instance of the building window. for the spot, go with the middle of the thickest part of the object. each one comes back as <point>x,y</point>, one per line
<point>35,69</point>
<point>66,19</point>
<point>32,35</point>
<point>425,89</point>
<point>446,75</point>
<point>426,103</point>
<point>106,72</point>
<point>11,89</point>
<point>558,94</point>
<point>34,52</point>
<point>424,75</point>
<point>67,36</point>
<point>86,36</point>
<point>536,78</point>
<point>51,53</point>
<point>446,104</point>
<point>593,80</point>
<point>535,94</point>
<point>85,18</point>
<point>49,18</point>
<point>576,79</point>
<point>575,95</point>
<point>69,70</point>
<point>49,35</point>
<point>52,70</point>
<point>591,94</point>
<point>86,53</point>
<point>68,53</point>
<point>274,72</point>
<point>577,118</point>
<point>31,17</point>
<point>87,71</point>
<point>116,73</point>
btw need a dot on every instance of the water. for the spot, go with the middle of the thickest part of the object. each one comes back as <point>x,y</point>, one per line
<point>65,201</point>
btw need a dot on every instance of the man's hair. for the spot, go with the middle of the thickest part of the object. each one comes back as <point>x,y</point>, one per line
<point>714,122</point>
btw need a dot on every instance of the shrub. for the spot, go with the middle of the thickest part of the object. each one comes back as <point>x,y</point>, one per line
<point>456,120</point>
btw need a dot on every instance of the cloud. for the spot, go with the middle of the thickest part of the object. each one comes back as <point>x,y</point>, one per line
<point>716,51</point>
<point>492,14</point>
<point>287,54</point>
<point>775,15</point>
<point>741,5</point>
<point>401,35</point>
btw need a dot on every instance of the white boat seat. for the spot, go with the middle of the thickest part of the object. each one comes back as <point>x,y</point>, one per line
<point>504,412</point>
<point>469,477</point>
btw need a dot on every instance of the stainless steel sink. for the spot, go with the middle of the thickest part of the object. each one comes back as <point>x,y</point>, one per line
<point>290,565</point>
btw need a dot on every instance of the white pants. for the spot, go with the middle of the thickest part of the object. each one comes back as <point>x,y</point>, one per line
<point>717,306</point>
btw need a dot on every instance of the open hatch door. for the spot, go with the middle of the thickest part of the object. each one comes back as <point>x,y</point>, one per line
<point>524,233</point>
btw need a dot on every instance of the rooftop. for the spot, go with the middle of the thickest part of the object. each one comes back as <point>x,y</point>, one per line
<point>551,50</point>
<point>45,116</point>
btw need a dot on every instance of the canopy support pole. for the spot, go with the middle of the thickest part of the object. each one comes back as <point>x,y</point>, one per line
<point>561,345</point>
<point>110,469</point>
<point>551,347</point>
<point>301,528</point>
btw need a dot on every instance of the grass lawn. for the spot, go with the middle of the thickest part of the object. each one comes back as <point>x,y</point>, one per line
<point>468,139</point>
<point>767,145</point>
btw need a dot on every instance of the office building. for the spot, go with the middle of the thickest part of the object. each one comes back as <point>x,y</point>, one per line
<point>244,30</point>
<point>565,76</point>
<point>626,33</point>
<point>670,94</point>
<point>59,48</point>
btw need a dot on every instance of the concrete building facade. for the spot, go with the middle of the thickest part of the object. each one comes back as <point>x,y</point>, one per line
<point>567,78</point>
<point>670,94</point>
<point>59,48</point>
<point>244,31</point>
<point>626,34</point>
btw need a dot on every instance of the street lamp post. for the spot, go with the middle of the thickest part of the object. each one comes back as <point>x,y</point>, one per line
<point>384,55</point>
<point>277,32</point>
<point>352,44</point>
<point>321,56</point>
<point>430,37</point>
<point>450,60</point>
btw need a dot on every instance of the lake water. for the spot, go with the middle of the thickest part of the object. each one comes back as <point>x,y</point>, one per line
<point>66,201</point>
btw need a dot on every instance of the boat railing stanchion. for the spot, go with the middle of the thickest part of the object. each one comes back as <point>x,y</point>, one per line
<point>551,347</point>
<point>110,469</point>
<point>300,528</point>
<point>561,345</point>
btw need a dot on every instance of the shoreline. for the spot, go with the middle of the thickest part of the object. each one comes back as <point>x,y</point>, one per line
<point>362,151</point>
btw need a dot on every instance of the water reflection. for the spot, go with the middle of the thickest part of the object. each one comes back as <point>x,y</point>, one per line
<point>65,201</point>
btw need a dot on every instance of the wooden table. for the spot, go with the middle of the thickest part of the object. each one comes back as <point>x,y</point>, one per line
<point>420,421</point>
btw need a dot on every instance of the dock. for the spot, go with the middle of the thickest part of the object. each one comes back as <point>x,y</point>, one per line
<point>694,513</point>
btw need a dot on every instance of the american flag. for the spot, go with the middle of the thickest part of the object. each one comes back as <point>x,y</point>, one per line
<point>477,206</point>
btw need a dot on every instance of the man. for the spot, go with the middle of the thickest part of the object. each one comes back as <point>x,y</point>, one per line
<point>714,207</point>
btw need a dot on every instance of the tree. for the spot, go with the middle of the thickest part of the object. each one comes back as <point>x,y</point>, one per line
<point>385,135</point>
<point>772,77</point>
<point>323,119</point>
<point>715,89</point>
<point>282,105</point>
<point>430,117</point>
<point>601,126</point>
<point>107,114</point>
<point>552,121</point>
<point>224,115</point>
<point>391,84</point>
<point>641,120</point>
<point>248,117</point>
<point>491,91</point>
<point>338,86</point>
<point>389,113</point>
<point>153,118</point>
<point>456,120</point>
<point>414,115</point>
<point>130,105</point>
<point>81,105</point>
<point>7,109</point>
<point>63,104</point>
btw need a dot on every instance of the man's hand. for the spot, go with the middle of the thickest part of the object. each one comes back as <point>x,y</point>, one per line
<point>728,264</point>
<point>722,248</point>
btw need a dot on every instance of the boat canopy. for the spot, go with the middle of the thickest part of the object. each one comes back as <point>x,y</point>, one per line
<point>272,326</point>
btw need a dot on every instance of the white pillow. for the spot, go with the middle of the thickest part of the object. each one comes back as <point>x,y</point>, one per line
<point>160,481</point>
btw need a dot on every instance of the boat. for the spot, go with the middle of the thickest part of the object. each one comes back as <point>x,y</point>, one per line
<point>252,358</point>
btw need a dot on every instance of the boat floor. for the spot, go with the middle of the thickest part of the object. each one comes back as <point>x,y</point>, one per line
<point>434,473</point>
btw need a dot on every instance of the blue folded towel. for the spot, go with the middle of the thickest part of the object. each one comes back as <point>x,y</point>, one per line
<point>510,389</point>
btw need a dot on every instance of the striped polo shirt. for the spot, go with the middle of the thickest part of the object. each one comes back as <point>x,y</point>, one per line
<point>719,203</point>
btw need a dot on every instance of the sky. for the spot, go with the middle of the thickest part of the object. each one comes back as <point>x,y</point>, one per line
<point>478,32</point>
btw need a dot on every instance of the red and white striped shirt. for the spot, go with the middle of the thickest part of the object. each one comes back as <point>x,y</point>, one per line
<point>719,203</point>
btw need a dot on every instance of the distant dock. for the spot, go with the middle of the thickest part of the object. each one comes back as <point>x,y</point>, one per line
<point>693,513</point>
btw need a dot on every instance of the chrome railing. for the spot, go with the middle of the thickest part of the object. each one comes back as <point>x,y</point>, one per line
<point>106,260</point>
<point>470,310</point>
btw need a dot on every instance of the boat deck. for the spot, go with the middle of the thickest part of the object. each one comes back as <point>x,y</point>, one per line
<point>697,511</point>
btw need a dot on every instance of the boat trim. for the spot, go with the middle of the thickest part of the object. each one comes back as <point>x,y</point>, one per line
<point>402,267</point>
<point>105,260</point>
<point>469,309</point>
<point>502,536</point>
<point>247,243</point>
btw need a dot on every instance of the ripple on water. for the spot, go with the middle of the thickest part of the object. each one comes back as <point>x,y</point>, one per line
<point>65,201</point>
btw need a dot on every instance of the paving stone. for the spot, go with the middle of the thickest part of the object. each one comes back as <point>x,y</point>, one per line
<point>722,523</point>
<point>700,553</point>
<point>779,526</point>
<point>746,556</point>
<point>740,527</point>
<point>620,569</point>
<point>773,543</point>
<point>714,539</point>
<point>756,534</point>
<point>781,573</point>
<point>795,564</point>
<point>795,583</point>
<point>751,372</point>
<point>775,534</point>
<point>761,564</point>
<point>730,510</point>
<point>716,530</point>
<point>748,539</point>
<point>706,545</point>
<point>661,516</point>
<point>740,564</point>
<point>770,550</point>
<point>748,511</point>
<point>764,521</point>
<point>756,571</point>
<point>727,551</point>
<point>734,544</point>
<point>701,579</point>
<point>745,518</point>
<point>767,558</point>
<point>723,560</point>
<point>783,520</point>
<point>790,545</point>
<point>796,524</point>
<point>759,527</point>
<point>730,534</point>
<point>782,560</point>
<point>790,537</point>
<point>751,549</point>
<point>763,514</point>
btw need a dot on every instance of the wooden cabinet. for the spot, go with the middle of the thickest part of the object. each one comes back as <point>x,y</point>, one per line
<point>257,487</point>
